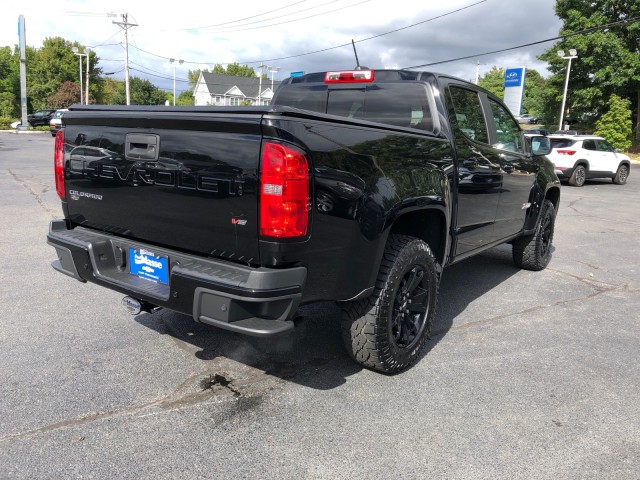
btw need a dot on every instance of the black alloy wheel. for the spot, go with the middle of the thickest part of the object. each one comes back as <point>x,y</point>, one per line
<point>410,308</point>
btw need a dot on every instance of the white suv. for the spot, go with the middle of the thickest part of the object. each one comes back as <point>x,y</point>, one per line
<point>579,157</point>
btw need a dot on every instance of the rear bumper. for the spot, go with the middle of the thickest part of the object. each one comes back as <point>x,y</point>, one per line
<point>254,301</point>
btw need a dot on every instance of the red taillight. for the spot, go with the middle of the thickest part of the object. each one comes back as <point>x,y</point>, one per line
<point>58,163</point>
<point>352,76</point>
<point>284,192</point>
<point>566,152</point>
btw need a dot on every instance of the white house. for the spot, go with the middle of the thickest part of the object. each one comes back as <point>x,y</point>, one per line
<point>217,89</point>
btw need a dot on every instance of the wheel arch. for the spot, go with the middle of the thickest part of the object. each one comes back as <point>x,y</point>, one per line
<point>582,161</point>
<point>553,194</point>
<point>429,225</point>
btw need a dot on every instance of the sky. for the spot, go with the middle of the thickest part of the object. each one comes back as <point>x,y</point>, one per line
<point>292,35</point>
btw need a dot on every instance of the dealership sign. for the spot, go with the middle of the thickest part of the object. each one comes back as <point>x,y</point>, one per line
<point>514,80</point>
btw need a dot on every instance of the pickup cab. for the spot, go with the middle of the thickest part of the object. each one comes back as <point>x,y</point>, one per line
<point>357,187</point>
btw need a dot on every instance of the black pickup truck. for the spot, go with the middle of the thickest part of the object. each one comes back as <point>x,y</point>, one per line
<point>354,186</point>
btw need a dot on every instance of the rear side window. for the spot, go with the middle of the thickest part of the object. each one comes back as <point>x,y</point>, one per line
<point>561,142</point>
<point>589,144</point>
<point>469,116</point>
<point>304,97</point>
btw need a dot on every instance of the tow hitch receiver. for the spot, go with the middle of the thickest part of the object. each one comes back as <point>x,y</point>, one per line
<point>132,305</point>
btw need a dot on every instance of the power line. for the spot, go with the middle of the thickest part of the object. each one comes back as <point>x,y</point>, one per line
<point>235,21</point>
<point>329,48</point>
<point>568,35</point>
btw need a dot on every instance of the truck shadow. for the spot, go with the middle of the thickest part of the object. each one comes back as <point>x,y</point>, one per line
<point>313,354</point>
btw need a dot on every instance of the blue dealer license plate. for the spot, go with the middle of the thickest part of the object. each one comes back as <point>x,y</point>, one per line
<point>146,264</point>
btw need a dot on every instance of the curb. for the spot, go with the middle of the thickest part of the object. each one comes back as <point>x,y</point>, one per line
<point>25,132</point>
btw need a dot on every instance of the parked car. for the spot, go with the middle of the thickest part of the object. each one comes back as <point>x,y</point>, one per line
<point>41,117</point>
<point>527,118</point>
<point>536,131</point>
<point>55,123</point>
<point>580,157</point>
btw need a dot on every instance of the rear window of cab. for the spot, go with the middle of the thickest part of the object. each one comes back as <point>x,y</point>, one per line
<point>400,104</point>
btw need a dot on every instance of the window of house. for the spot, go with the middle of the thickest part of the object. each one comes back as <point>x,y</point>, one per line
<point>234,101</point>
<point>469,115</point>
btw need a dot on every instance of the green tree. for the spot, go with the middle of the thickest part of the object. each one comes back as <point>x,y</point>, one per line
<point>8,105</point>
<point>241,71</point>
<point>533,90</point>
<point>53,64</point>
<point>493,81</point>
<point>143,92</point>
<point>616,125</point>
<point>9,82</point>
<point>194,75</point>
<point>111,92</point>
<point>608,61</point>
<point>185,98</point>
<point>236,70</point>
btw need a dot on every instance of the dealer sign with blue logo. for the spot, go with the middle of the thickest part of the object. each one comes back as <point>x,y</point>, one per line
<point>513,77</point>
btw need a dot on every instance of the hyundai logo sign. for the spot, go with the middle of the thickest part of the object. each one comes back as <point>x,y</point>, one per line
<point>513,77</point>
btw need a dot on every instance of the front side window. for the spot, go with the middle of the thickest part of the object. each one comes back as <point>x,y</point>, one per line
<point>469,115</point>
<point>604,146</point>
<point>508,133</point>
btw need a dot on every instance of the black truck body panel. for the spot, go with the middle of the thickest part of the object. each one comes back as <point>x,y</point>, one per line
<point>185,183</point>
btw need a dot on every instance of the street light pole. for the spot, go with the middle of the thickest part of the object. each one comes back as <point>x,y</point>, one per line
<point>572,54</point>
<point>261,66</point>
<point>273,71</point>
<point>80,55</point>
<point>172,60</point>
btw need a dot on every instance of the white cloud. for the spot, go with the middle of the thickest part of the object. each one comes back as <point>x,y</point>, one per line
<point>248,33</point>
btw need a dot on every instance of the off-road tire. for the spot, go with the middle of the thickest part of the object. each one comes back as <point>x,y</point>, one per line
<point>387,331</point>
<point>578,177</point>
<point>533,252</point>
<point>621,175</point>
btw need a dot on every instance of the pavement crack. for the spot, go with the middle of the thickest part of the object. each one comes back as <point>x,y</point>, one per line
<point>53,213</point>
<point>245,384</point>
<point>599,290</point>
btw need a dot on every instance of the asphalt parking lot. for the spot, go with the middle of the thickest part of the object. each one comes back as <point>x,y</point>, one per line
<point>532,375</point>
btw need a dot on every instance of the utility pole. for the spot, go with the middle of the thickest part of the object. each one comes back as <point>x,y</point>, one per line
<point>86,97</point>
<point>124,24</point>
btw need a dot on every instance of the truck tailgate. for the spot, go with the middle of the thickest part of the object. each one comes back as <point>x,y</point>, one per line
<point>186,180</point>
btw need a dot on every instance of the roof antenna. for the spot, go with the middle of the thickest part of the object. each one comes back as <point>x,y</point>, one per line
<point>358,67</point>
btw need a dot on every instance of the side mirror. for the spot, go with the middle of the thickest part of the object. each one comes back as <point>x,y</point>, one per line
<point>540,146</point>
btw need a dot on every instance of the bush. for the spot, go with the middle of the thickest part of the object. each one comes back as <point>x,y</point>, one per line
<point>616,125</point>
<point>5,122</point>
